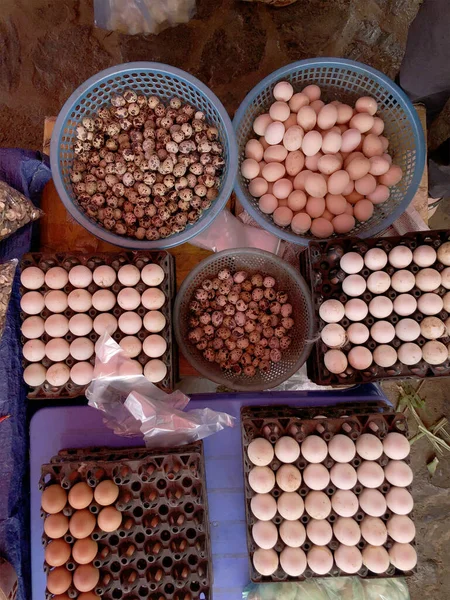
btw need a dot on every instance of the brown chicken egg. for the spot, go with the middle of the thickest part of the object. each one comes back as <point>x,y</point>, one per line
<point>57,553</point>
<point>53,499</point>
<point>59,580</point>
<point>56,525</point>
<point>82,523</point>
<point>84,551</point>
<point>109,519</point>
<point>80,495</point>
<point>85,578</point>
<point>106,492</point>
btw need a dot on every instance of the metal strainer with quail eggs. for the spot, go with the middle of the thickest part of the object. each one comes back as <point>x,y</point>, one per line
<point>144,169</point>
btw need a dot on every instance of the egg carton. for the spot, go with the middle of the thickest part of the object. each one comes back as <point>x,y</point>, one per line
<point>272,423</point>
<point>116,260</point>
<point>162,548</point>
<point>320,267</point>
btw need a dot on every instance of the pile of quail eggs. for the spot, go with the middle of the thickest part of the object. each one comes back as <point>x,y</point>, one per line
<point>319,506</point>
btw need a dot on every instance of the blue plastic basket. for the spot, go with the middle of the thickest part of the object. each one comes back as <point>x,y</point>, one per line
<point>147,78</point>
<point>343,80</point>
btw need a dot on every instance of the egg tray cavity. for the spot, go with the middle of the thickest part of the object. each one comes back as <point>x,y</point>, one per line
<point>272,423</point>
<point>320,267</point>
<point>46,261</point>
<point>162,549</point>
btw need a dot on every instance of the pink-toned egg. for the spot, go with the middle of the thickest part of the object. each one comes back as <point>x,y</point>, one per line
<point>378,166</point>
<point>358,168</point>
<point>297,101</point>
<point>335,203</point>
<point>315,207</point>
<point>372,145</point>
<point>379,195</point>
<point>377,127</point>
<point>297,200</point>
<point>312,162</point>
<point>290,121</point>
<point>353,197</point>
<point>312,92</point>
<point>351,156</point>
<point>391,177</point>
<point>344,113</point>
<point>262,141</point>
<point>362,122</point>
<point>261,165</point>
<point>311,143</point>
<point>321,228</point>
<point>282,216</point>
<point>350,140</point>
<point>349,209</point>
<point>282,188</point>
<point>306,118</point>
<point>258,186</point>
<point>366,185</point>
<point>275,153</point>
<point>261,123</point>
<point>331,142</point>
<point>363,210</point>
<point>315,185</point>
<point>366,104</point>
<point>283,91</point>
<point>385,142</point>
<point>338,181</point>
<point>274,133</point>
<point>301,222</point>
<point>273,171</point>
<point>317,105</point>
<point>327,117</point>
<point>250,168</point>
<point>349,188</point>
<point>329,163</point>
<point>387,157</point>
<point>299,181</point>
<point>327,215</point>
<point>343,223</point>
<point>294,163</point>
<point>253,149</point>
<point>279,111</point>
<point>267,204</point>
<point>292,139</point>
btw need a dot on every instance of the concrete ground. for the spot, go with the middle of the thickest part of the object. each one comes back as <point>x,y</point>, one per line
<point>49,47</point>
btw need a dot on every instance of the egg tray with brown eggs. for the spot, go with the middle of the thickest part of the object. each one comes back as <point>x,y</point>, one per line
<point>66,261</point>
<point>280,430</point>
<point>320,265</point>
<point>162,543</point>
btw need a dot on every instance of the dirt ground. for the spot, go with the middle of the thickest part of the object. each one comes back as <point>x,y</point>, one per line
<point>49,47</point>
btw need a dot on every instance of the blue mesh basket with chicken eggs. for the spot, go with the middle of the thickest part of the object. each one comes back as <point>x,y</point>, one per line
<point>147,78</point>
<point>344,80</point>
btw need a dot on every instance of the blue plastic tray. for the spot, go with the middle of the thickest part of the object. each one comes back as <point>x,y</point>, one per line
<point>81,426</point>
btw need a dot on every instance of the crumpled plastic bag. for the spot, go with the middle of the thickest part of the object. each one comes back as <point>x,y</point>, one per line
<point>133,406</point>
<point>142,16</point>
<point>16,210</point>
<point>331,588</point>
<point>7,272</point>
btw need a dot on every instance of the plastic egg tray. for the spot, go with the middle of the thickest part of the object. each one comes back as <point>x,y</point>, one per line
<point>162,549</point>
<point>320,267</point>
<point>92,261</point>
<point>272,423</point>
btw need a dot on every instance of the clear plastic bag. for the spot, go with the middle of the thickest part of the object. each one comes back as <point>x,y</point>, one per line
<point>16,210</point>
<point>133,406</point>
<point>7,272</point>
<point>331,588</point>
<point>142,16</point>
<point>226,231</point>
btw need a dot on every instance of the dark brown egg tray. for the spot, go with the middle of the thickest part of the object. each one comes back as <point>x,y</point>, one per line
<point>319,265</point>
<point>115,260</point>
<point>272,423</point>
<point>162,548</point>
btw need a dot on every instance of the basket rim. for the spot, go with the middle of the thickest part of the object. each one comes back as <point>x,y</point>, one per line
<point>392,87</point>
<point>125,241</point>
<point>186,349</point>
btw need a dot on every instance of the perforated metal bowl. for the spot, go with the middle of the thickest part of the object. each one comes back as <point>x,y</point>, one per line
<point>287,278</point>
<point>344,80</point>
<point>147,78</point>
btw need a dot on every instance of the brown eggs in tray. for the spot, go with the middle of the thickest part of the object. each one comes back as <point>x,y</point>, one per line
<point>68,300</point>
<point>327,496</point>
<point>126,523</point>
<point>382,307</point>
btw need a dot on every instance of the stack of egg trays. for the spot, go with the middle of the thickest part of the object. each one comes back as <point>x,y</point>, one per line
<point>162,549</point>
<point>273,422</point>
<point>116,260</point>
<point>319,265</point>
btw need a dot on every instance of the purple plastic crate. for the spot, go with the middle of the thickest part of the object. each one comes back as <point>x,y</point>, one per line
<point>82,426</point>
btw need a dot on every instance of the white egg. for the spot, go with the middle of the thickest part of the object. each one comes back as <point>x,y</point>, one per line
<point>34,350</point>
<point>35,374</point>
<point>331,311</point>
<point>80,276</point>
<point>382,332</point>
<point>261,480</point>
<point>316,477</point>
<point>400,257</point>
<point>347,531</point>
<point>374,531</point>
<point>82,348</point>
<point>375,259</point>
<point>155,370</point>
<point>424,256</point>
<point>381,307</point>
<point>314,449</point>
<point>407,330</point>
<point>403,281</point>
<point>320,560</point>
<point>343,476</point>
<point>385,356</point>
<point>372,502</point>
<point>265,534</point>
<point>356,309</point>
<point>351,263</point>
<point>378,282</point>
<point>341,448</point>
<point>56,278</point>
<point>344,503</point>
<point>293,533</point>
<point>57,349</point>
<point>409,354</point>
<point>358,333</point>
<point>354,285</point>
<point>58,374</point>
<point>405,305</point>
<point>333,335</point>
<point>317,505</point>
<point>80,324</point>
<point>82,373</point>
<point>260,452</point>
<point>104,276</point>
<point>290,505</point>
